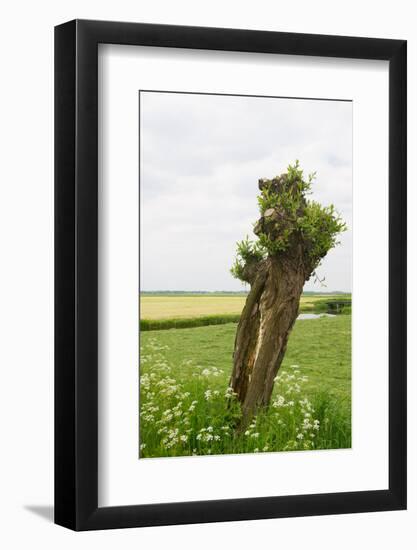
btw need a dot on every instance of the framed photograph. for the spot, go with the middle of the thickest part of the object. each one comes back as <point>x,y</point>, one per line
<point>230,284</point>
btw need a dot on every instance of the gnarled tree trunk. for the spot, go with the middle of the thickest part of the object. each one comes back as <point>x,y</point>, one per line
<point>261,340</point>
<point>294,235</point>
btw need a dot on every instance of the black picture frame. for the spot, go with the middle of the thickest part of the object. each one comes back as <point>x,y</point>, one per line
<point>76,272</point>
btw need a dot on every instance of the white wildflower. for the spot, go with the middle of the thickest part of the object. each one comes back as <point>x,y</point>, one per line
<point>278,402</point>
<point>229,392</point>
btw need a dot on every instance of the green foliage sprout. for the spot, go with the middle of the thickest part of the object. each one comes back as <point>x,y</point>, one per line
<point>247,252</point>
<point>288,218</point>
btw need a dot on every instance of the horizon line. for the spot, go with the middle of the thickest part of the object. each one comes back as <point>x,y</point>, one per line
<point>246,291</point>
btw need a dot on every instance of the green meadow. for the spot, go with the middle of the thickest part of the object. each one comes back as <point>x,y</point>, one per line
<point>187,408</point>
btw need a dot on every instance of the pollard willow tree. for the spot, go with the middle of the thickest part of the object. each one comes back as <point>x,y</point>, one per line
<point>293,235</point>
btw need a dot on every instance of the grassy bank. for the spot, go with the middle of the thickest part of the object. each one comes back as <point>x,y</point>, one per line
<point>186,407</point>
<point>191,322</point>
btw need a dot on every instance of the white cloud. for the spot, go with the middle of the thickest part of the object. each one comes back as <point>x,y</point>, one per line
<point>201,158</point>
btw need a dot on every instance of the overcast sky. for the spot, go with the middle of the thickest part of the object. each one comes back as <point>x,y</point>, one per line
<point>201,158</point>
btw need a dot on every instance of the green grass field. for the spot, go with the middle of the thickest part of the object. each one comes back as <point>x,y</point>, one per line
<point>186,407</point>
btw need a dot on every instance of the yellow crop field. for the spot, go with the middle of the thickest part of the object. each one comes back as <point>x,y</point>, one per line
<point>168,307</point>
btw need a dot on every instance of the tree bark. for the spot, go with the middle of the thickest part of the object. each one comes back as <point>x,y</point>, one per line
<point>269,314</point>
